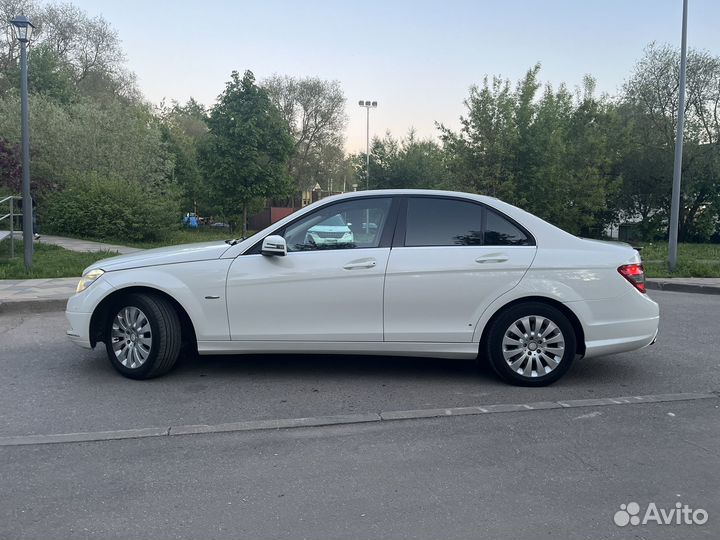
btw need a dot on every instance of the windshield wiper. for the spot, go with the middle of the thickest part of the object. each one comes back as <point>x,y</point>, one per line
<point>234,241</point>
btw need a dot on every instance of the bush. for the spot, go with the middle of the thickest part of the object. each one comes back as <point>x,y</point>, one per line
<point>110,209</point>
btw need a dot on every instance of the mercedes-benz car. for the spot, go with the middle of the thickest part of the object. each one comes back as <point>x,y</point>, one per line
<point>442,274</point>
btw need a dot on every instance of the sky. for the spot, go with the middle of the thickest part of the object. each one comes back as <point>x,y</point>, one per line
<point>417,59</point>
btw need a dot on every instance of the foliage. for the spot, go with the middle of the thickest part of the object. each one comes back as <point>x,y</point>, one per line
<point>183,129</point>
<point>579,160</point>
<point>70,52</point>
<point>551,154</point>
<point>110,208</point>
<point>114,140</point>
<point>400,164</point>
<point>246,152</point>
<point>649,102</point>
<point>314,110</point>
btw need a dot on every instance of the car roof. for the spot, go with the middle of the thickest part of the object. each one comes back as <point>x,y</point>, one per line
<point>544,233</point>
<point>395,192</point>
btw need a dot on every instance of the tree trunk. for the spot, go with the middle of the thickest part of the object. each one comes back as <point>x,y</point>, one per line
<point>244,223</point>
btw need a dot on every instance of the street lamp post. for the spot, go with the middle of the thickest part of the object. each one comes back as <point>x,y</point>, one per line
<point>675,201</point>
<point>368,105</point>
<point>23,33</point>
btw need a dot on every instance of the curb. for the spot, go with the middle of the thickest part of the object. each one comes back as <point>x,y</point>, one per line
<point>342,419</point>
<point>682,287</point>
<point>41,305</point>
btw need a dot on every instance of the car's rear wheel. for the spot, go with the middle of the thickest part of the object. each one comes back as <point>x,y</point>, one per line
<point>143,336</point>
<point>531,344</point>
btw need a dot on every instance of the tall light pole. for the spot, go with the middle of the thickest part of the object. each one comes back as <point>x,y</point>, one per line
<point>675,204</point>
<point>23,33</point>
<point>368,105</point>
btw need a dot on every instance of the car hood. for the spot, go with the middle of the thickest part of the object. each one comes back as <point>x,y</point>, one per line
<point>329,228</point>
<point>167,255</point>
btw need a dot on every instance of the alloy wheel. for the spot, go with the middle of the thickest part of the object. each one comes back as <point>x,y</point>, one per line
<point>131,337</point>
<point>533,346</point>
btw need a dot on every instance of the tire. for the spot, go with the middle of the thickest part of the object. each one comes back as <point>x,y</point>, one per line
<point>142,336</point>
<point>534,356</point>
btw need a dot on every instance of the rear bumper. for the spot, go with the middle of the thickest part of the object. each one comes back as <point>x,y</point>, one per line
<point>617,325</point>
<point>602,347</point>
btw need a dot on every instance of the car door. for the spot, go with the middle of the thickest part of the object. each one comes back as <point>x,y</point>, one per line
<point>329,286</point>
<point>452,257</point>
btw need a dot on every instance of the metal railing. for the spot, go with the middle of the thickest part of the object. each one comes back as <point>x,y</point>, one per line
<point>11,215</point>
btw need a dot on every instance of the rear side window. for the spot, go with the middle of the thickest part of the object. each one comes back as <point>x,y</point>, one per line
<point>500,232</point>
<point>449,222</point>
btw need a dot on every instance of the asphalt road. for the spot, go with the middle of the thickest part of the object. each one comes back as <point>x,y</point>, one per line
<point>527,474</point>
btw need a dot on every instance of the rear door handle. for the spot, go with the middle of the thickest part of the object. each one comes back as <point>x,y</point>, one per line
<point>362,263</point>
<point>492,259</point>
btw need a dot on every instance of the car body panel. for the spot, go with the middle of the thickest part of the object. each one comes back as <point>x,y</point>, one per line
<point>438,293</point>
<point>202,251</point>
<point>335,295</point>
<point>199,287</point>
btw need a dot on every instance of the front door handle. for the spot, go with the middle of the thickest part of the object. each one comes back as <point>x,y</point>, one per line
<point>362,263</point>
<point>494,258</point>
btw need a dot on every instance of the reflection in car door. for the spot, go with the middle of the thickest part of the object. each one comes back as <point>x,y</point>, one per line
<point>315,295</point>
<point>441,278</point>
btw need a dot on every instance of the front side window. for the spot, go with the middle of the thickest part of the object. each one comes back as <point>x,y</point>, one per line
<point>346,225</point>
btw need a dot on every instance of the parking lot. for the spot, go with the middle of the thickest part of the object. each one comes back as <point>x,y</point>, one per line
<point>500,474</point>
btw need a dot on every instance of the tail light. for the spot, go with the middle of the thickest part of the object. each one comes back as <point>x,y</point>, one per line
<point>635,274</point>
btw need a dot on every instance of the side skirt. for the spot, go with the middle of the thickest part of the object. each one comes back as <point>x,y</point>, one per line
<point>394,348</point>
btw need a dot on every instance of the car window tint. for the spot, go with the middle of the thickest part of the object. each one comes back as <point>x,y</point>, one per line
<point>500,232</point>
<point>347,225</point>
<point>443,222</point>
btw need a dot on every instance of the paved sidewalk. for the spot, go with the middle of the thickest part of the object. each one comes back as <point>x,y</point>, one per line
<point>35,294</point>
<point>85,245</point>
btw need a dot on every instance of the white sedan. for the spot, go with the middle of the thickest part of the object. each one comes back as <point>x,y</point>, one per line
<point>441,274</point>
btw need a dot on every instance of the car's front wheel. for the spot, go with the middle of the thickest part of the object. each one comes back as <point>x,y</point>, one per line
<point>143,336</point>
<point>531,344</point>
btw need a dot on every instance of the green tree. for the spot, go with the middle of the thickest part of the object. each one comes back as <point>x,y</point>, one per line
<point>184,128</point>
<point>551,154</point>
<point>402,164</point>
<point>482,155</point>
<point>247,149</point>
<point>650,99</point>
<point>69,48</point>
<point>314,109</point>
<point>117,139</point>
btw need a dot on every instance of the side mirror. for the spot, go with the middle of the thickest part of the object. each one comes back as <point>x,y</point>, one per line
<point>274,245</point>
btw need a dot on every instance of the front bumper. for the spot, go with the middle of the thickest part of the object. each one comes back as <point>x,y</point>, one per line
<point>80,308</point>
<point>79,332</point>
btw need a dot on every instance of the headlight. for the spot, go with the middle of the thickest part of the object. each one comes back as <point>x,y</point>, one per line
<point>88,279</point>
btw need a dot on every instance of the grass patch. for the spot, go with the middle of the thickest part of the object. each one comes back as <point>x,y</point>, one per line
<point>694,260</point>
<point>171,237</point>
<point>183,236</point>
<point>48,261</point>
